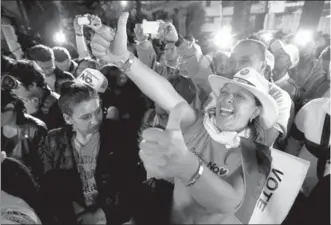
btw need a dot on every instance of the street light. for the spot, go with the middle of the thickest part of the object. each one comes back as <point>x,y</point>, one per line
<point>124,3</point>
<point>223,38</point>
<point>59,37</point>
<point>303,37</point>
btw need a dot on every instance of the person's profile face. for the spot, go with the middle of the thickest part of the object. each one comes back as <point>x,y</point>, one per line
<point>222,65</point>
<point>48,67</point>
<point>235,107</point>
<point>86,116</point>
<point>64,66</point>
<point>282,60</point>
<point>121,80</point>
<point>246,55</point>
<point>22,92</point>
<point>170,52</point>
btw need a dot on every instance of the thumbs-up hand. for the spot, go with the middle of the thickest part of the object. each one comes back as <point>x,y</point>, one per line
<point>164,152</point>
<point>110,46</point>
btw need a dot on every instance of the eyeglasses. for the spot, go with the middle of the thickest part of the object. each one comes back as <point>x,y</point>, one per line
<point>9,82</point>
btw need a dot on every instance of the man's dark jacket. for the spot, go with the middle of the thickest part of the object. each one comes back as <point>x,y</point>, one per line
<point>118,175</point>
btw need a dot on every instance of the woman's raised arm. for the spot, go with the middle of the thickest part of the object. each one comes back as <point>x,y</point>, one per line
<point>113,49</point>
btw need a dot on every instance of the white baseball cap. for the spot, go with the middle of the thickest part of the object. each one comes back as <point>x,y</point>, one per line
<point>94,79</point>
<point>291,50</point>
<point>255,83</point>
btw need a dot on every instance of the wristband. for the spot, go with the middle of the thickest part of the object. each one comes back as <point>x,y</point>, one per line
<point>196,175</point>
<point>125,67</point>
<point>77,34</point>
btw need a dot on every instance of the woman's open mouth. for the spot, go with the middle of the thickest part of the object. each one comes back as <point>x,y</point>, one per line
<point>226,112</point>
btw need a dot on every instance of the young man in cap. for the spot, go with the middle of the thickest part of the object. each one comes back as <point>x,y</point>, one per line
<point>286,58</point>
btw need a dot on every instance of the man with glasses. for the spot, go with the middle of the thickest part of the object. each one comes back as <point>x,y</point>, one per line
<point>27,81</point>
<point>44,57</point>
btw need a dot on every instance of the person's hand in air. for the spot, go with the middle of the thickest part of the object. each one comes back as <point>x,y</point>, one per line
<point>111,46</point>
<point>167,32</point>
<point>78,28</point>
<point>164,152</point>
<point>139,33</point>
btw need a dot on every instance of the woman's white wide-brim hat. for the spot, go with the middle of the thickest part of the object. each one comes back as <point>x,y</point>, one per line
<point>255,83</point>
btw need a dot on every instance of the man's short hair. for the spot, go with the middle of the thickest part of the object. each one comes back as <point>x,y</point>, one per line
<point>262,47</point>
<point>40,53</point>
<point>73,93</point>
<point>94,64</point>
<point>61,54</point>
<point>28,72</point>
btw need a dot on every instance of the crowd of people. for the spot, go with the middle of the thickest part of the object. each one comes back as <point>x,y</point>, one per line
<point>137,134</point>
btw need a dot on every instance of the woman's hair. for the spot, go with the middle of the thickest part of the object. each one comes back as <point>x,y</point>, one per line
<point>73,93</point>
<point>8,97</point>
<point>111,72</point>
<point>17,180</point>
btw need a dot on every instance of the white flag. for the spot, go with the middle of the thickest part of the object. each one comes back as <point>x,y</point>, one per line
<point>281,188</point>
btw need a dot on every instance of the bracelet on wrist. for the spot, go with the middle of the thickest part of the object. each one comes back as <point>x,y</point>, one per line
<point>78,34</point>
<point>126,66</point>
<point>196,175</point>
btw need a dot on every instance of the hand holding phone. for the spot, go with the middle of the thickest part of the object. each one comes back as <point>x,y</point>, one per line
<point>84,20</point>
<point>150,27</point>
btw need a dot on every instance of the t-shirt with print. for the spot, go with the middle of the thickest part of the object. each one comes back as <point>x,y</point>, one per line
<point>223,162</point>
<point>86,158</point>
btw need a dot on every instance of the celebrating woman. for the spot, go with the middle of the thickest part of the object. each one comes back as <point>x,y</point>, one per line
<point>218,170</point>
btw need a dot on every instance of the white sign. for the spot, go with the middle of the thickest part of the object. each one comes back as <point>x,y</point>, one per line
<point>281,188</point>
<point>276,6</point>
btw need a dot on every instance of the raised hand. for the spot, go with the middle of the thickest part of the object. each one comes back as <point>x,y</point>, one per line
<point>78,28</point>
<point>111,46</point>
<point>139,33</point>
<point>167,32</point>
<point>164,152</point>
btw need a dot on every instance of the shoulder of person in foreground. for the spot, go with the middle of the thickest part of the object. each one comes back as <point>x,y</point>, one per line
<point>19,200</point>
<point>309,112</point>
